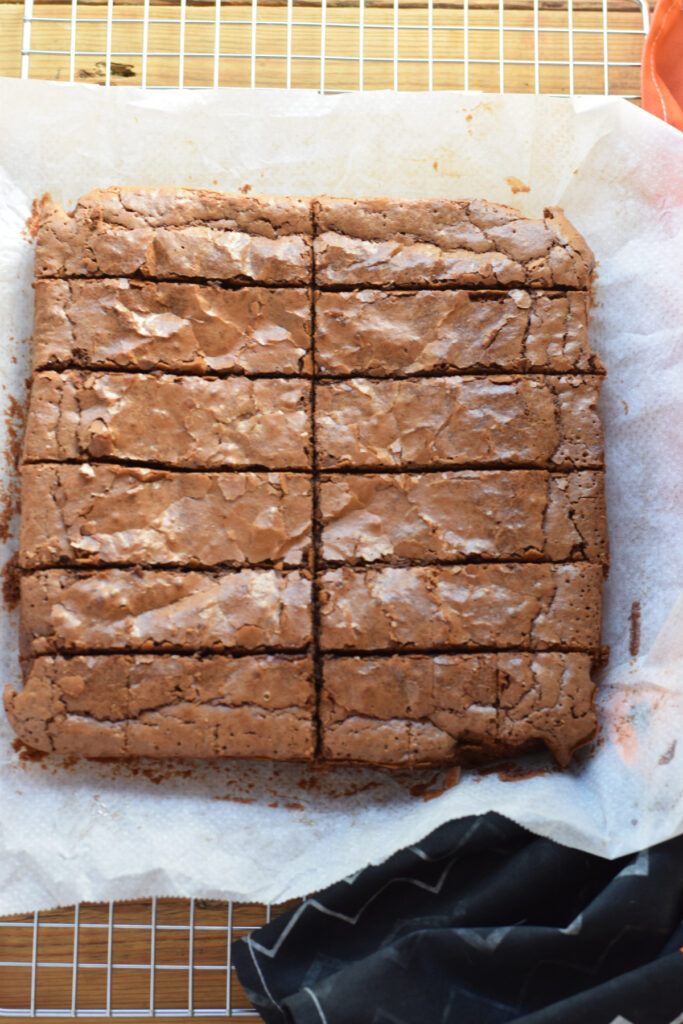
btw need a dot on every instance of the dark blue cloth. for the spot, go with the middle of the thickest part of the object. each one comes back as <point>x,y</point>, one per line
<point>481,923</point>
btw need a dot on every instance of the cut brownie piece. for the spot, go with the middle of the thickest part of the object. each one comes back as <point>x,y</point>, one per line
<point>193,422</point>
<point>168,706</point>
<point>64,610</point>
<point>463,243</point>
<point>384,334</point>
<point>408,711</point>
<point>501,515</point>
<point>135,325</point>
<point>99,514</point>
<point>458,421</point>
<point>529,606</point>
<point>177,233</point>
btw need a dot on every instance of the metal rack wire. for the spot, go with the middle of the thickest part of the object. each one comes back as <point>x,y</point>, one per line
<point>537,46</point>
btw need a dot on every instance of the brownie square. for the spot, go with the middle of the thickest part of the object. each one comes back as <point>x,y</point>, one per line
<point>540,421</point>
<point>198,328</point>
<point>178,233</point>
<point>177,421</point>
<point>386,334</point>
<point>460,243</point>
<point>168,705</point>
<point>105,514</point>
<point>526,515</point>
<point>433,710</point>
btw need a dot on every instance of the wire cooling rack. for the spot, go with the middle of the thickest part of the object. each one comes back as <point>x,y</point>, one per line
<point>143,958</point>
<point>172,957</point>
<point>560,47</point>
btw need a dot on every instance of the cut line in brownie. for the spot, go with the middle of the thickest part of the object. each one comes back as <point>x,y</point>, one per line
<point>530,515</point>
<point>175,234</point>
<point>485,606</point>
<point>132,325</point>
<point>259,706</point>
<point>406,711</point>
<point>387,334</point>
<point>495,421</point>
<point>458,243</point>
<point>108,514</point>
<point>69,610</point>
<point>183,422</point>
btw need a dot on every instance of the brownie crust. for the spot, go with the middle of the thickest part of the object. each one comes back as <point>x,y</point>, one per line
<point>408,711</point>
<point>177,233</point>
<point>439,422</point>
<point>500,515</point>
<point>133,325</point>
<point>67,610</point>
<point>111,515</point>
<point>185,422</point>
<point>528,607</point>
<point>384,334</point>
<point>458,243</point>
<point>258,706</point>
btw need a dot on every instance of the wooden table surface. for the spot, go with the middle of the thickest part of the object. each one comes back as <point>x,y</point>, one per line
<point>132,932</point>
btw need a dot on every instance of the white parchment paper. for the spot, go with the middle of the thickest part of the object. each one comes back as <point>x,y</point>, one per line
<point>255,832</point>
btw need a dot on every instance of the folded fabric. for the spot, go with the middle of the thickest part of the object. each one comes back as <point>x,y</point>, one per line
<point>662,64</point>
<point>481,923</point>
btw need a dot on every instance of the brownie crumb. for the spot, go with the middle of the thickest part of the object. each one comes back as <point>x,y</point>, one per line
<point>634,630</point>
<point>10,582</point>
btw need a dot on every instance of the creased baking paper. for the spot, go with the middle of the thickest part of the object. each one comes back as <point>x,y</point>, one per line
<point>254,832</point>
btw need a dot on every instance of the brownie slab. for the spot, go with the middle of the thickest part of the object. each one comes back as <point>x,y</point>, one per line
<point>107,514</point>
<point>67,610</point>
<point>385,334</point>
<point>168,706</point>
<point>418,710</point>
<point>529,607</point>
<point>459,243</point>
<point>530,515</point>
<point>189,422</point>
<point>459,421</point>
<point>177,233</point>
<point>135,325</point>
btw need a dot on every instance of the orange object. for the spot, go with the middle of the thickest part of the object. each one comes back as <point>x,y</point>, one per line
<point>662,67</point>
